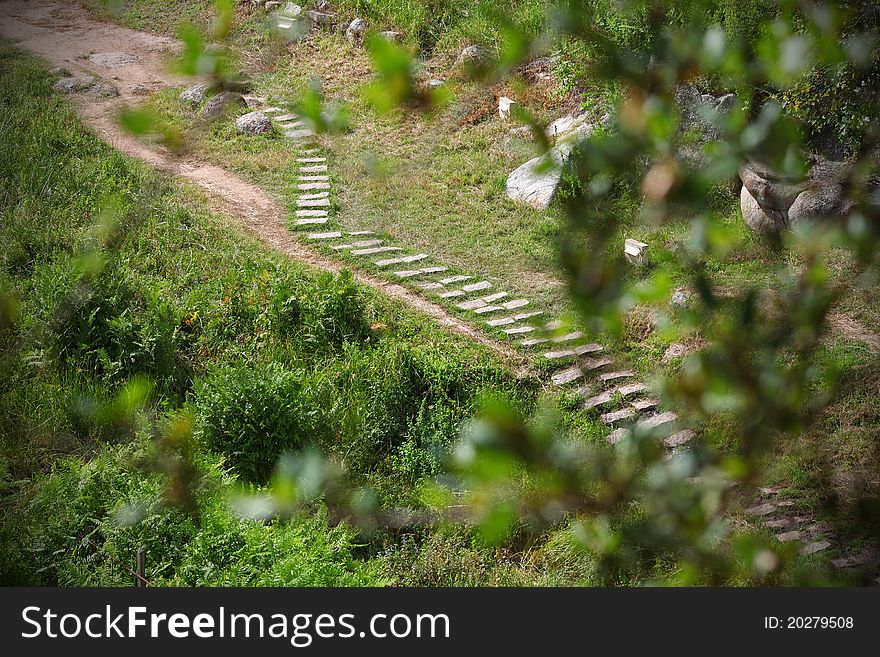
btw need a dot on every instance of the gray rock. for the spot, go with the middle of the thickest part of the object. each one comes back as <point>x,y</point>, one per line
<point>391,35</point>
<point>195,94</point>
<point>272,5</point>
<point>253,123</point>
<point>568,126</point>
<point>74,84</point>
<point>534,183</point>
<point>771,202</point>
<point>290,9</point>
<point>356,31</point>
<point>472,56</point>
<point>222,103</point>
<point>755,217</point>
<point>112,59</point>
<point>139,89</point>
<point>322,19</point>
<point>700,112</point>
<point>434,83</point>
<point>825,195</point>
<point>102,90</point>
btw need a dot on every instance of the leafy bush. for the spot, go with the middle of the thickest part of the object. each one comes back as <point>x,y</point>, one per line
<point>86,521</point>
<point>252,414</point>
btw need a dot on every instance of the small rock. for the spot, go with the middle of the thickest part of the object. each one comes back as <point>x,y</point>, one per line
<point>74,84</point>
<point>222,103</point>
<point>112,59</point>
<point>323,5</point>
<point>290,9</point>
<point>504,105</point>
<point>195,94</point>
<point>391,35</point>
<point>139,89</point>
<point>434,83</point>
<point>679,297</point>
<point>253,123</point>
<point>356,31</point>
<point>789,536</point>
<point>472,55</point>
<point>675,350</point>
<point>102,90</point>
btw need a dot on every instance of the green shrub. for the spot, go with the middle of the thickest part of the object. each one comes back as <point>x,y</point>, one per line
<point>85,522</point>
<point>252,414</point>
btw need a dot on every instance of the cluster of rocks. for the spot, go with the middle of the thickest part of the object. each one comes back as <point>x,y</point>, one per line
<point>219,103</point>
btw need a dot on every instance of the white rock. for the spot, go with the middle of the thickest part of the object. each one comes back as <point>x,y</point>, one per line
<point>534,183</point>
<point>504,105</point>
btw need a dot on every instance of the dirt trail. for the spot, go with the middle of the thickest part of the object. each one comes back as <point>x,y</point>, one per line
<point>66,34</point>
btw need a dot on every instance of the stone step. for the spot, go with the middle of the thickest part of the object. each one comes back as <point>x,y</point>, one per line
<point>313,202</point>
<point>518,330</point>
<point>482,302</point>
<point>504,321</point>
<point>615,376</point>
<point>400,261</point>
<point>299,134</point>
<point>516,303</point>
<point>375,249</point>
<point>271,110</point>
<point>610,395</point>
<point>482,310</point>
<point>324,236</point>
<point>309,197</point>
<point>466,289</point>
<point>309,151</point>
<point>588,364</point>
<point>312,221</point>
<point>313,169</point>
<point>660,421</point>
<point>357,245</point>
<point>454,279</point>
<point>311,213</point>
<point>580,350</point>
<point>310,160</point>
<point>432,286</point>
<point>285,117</point>
<point>313,185</point>
<point>679,438</point>
<point>313,178</point>
<point>616,417</point>
<point>409,273</point>
<point>642,405</point>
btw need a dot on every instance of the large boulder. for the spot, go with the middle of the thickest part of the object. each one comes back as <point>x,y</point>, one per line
<point>771,202</point>
<point>253,123</point>
<point>223,103</point>
<point>534,183</point>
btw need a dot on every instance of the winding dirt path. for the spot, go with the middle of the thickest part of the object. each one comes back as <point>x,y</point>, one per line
<point>66,34</point>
